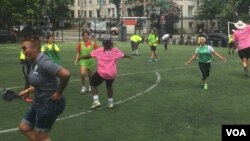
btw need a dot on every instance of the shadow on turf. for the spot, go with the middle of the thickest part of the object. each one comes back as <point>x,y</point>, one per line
<point>240,75</point>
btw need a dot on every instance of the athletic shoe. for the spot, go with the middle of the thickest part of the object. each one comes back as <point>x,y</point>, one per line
<point>150,61</point>
<point>205,87</point>
<point>157,59</point>
<point>96,104</point>
<point>83,90</point>
<point>110,105</point>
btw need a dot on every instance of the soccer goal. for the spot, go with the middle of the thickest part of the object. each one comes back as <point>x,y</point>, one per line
<point>229,28</point>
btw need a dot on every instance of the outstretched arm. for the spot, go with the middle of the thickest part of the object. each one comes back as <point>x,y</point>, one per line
<point>127,56</point>
<point>84,57</point>
<point>192,58</point>
<point>219,56</point>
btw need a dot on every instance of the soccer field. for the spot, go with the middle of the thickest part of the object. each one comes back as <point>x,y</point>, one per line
<point>160,101</point>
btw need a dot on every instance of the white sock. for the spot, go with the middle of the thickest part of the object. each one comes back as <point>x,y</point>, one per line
<point>95,97</point>
<point>136,52</point>
<point>110,99</point>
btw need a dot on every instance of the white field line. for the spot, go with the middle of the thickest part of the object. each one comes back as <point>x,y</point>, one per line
<point>121,101</point>
<point>116,103</point>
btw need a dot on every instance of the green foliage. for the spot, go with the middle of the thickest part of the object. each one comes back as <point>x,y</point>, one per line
<point>172,14</point>
<point>23,11</point>
<point>209,9</point>
<point>224,11</point>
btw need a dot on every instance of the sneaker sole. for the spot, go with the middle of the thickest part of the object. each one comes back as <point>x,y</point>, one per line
<point>111,107</point>
<point>95,107</point>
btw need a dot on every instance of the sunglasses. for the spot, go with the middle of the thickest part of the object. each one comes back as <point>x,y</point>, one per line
<point>24,47</point>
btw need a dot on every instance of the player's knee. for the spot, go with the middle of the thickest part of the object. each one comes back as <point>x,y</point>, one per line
<point>24,128</point>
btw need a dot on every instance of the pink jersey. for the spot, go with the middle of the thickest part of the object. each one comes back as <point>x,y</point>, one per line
<point>107,62</point>
<point>242,36</point>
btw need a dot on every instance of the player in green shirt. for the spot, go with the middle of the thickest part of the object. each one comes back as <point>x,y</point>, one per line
<point>51,50</point>
<point>153,42</point>
<point>135,41</point>
<point>87,66</point>
<point>204,53</point>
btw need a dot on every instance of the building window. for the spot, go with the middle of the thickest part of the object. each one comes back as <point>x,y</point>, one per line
<point>181,7</point>
<point>81,2</point>
<point>79,13</point>
<point>98,13</point>
<point>213,24</point>
<point>85,13</point>
<point>190,11</point>
<point>113,12</point>
<point>103,1</point>
<point>90,14</point>
<point>190,25</point>
<point>90,1</point>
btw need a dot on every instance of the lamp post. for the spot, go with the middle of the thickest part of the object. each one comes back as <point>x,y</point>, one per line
<point>100,6</point>
<point>122,28</point>
<point>181,27</point>
<point>79,28</point>
<point>110,16</point>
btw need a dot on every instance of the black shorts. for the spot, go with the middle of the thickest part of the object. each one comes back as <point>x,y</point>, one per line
<point>232,45</point>
<point>97,80</point>
<point>244,53</point>
<point>153,48</point>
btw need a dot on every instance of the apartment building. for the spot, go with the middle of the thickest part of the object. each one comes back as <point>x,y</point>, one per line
<point>91,8</point>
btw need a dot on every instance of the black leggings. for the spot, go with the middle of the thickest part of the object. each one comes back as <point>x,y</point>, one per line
<point>205,69</point>
<point>134,45</point>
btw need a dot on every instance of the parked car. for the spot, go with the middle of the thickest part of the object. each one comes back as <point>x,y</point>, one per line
<point>217,39</point>
<point>7,36</point>
<point>115,29</point>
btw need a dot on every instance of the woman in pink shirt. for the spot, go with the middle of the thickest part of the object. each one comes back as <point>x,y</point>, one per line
<point>107,57</point>
<point>242,37</point>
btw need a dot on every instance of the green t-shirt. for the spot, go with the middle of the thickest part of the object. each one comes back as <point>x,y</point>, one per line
<point>153,39</point>
<point>52,51</point>
<point>136,38</point>
<point>205,53</point>
<point>86,49</point>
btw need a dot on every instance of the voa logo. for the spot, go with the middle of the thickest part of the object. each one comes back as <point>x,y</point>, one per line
<point>236,132</point>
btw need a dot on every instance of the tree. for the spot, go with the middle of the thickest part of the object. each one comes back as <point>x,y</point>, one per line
<point>31,11</point>
<point>171,12</point>
<point>242,10</point>
<point>4,12</point>
<point>209,11</point>
<point>58,10</point>
<point>228,13</point>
